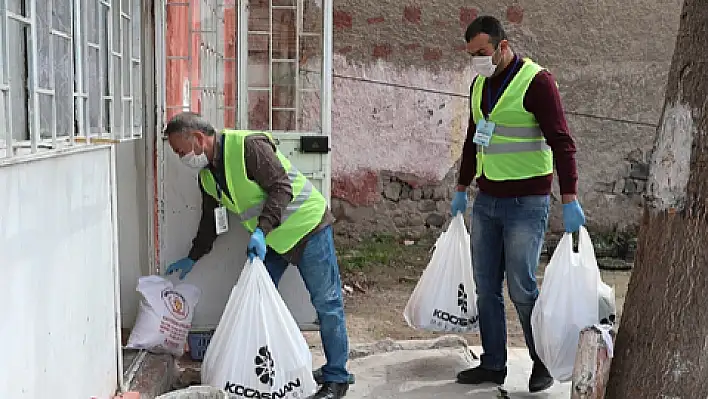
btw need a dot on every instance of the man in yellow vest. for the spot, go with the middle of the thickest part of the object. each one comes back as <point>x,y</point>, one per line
<point>517,130</point>
<point>289,221</point>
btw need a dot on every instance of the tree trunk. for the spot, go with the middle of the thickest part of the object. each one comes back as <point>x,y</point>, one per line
<point>662,345</point>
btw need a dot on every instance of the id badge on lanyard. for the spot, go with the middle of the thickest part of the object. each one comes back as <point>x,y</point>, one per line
<point>221,217</point>
<point>483,133</point>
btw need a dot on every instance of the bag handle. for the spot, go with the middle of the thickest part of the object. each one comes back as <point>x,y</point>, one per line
<point>586,249</point>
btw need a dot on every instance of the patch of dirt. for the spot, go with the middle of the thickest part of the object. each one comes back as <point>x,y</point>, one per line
<point>382,272</point>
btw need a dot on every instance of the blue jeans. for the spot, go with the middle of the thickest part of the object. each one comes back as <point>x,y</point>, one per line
<point>320,272</point>
<point>506,236</point>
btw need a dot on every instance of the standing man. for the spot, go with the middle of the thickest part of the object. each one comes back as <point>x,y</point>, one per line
<point>517,130</point>
<point>289,222</point>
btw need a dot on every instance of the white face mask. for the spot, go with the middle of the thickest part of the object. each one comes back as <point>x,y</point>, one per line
<point>484,65</point>
<point>195,161</point>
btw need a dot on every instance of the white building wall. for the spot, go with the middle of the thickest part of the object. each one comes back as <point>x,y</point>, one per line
<point>133,220</point>
<point>58,284</point>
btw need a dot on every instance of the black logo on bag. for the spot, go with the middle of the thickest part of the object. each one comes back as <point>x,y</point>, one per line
<point>458,323</point>
<point>265,367</point>
<point>265,370</point>
<point>462,298</point>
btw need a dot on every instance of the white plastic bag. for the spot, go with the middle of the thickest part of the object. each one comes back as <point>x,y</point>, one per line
<point>164,315</point>
<point>445,299</point>
<point>607,306</point>
<point>568,302</point>
<point>257,350</point>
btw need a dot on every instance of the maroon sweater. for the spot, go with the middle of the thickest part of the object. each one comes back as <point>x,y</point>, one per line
<point>543,101</point>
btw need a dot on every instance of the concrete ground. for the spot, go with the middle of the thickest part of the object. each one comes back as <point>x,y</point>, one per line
<point>427,369</point>
<point>409,369</point>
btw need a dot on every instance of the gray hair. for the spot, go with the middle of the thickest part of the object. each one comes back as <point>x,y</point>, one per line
<point>186,122</point>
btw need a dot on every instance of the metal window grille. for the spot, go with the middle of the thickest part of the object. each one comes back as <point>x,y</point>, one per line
<point>195,58</point>
<point>259,54</point>
<point>283,36</point>
<point>70,73</point>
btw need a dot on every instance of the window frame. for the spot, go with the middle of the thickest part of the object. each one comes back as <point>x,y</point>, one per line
<point>119,63</point>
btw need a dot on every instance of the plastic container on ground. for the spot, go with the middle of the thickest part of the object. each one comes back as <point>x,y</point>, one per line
<point>198,342</point>
<point>196,392</point>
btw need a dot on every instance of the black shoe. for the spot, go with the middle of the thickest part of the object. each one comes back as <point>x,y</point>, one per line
<point>540,379</point>
<point>319,378</point>
<point>331,390</point>
<point>478,375</point>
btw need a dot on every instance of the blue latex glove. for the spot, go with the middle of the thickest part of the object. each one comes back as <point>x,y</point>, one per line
<point>573,216</point>
<point>183,265</point>
<point>257,245</point>
<point>459,203</point>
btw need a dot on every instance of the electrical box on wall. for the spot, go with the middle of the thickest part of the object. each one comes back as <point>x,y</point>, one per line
<point>314,144</point>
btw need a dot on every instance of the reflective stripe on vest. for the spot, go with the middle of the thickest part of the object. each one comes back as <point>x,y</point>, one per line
<point>517,149</point>
<point>293,206</point>
<point>519,146</point>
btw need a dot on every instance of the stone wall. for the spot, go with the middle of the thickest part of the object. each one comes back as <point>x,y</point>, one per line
<point>406,206</point>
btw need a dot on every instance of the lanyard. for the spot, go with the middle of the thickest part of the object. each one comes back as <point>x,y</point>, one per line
<point>501,89</point>
<point>218,189</point>
<point>214,171</point>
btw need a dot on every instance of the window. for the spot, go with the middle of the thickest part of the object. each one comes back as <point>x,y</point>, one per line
<point>273,74</point>
<point>69,69</point>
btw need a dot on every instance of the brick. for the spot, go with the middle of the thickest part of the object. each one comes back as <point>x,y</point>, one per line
<point>412,14</point>
<point>344,50</point>
<point>467,15</point>
<point>382,51</point>
<point>515,14</point>
<point>377,20</point>
<point>412,46</point>
<point>432,54</point>
<point>342,20</point>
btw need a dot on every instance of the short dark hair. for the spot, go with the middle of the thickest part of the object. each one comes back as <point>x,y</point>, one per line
<point>186,122</point>
<point>486,24</point>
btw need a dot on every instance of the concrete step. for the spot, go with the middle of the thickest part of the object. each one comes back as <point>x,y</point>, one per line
<point>149,374</point>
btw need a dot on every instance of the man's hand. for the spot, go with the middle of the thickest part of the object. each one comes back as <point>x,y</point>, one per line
<point>459,203</point>
<point>257,245</point>
<point>573,216</point>
<point>183,265</point>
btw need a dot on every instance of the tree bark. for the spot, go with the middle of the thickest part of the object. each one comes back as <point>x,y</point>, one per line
<point>662,344</point>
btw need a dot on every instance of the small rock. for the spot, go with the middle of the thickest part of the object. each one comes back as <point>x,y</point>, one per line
<point>427,206</point>
<point>440,192</point>
<point>400,221</point>
<point>630,187</point>
<point>435,220</point>
<point>639,171</point>
<point>392,191</point>
<point>414,232</point>
<point>417,194</point>
<point>443,207</point>
<point>613,264</point>
<point>408,243</point>
<point>415,220</point>
<point>199,391</point>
